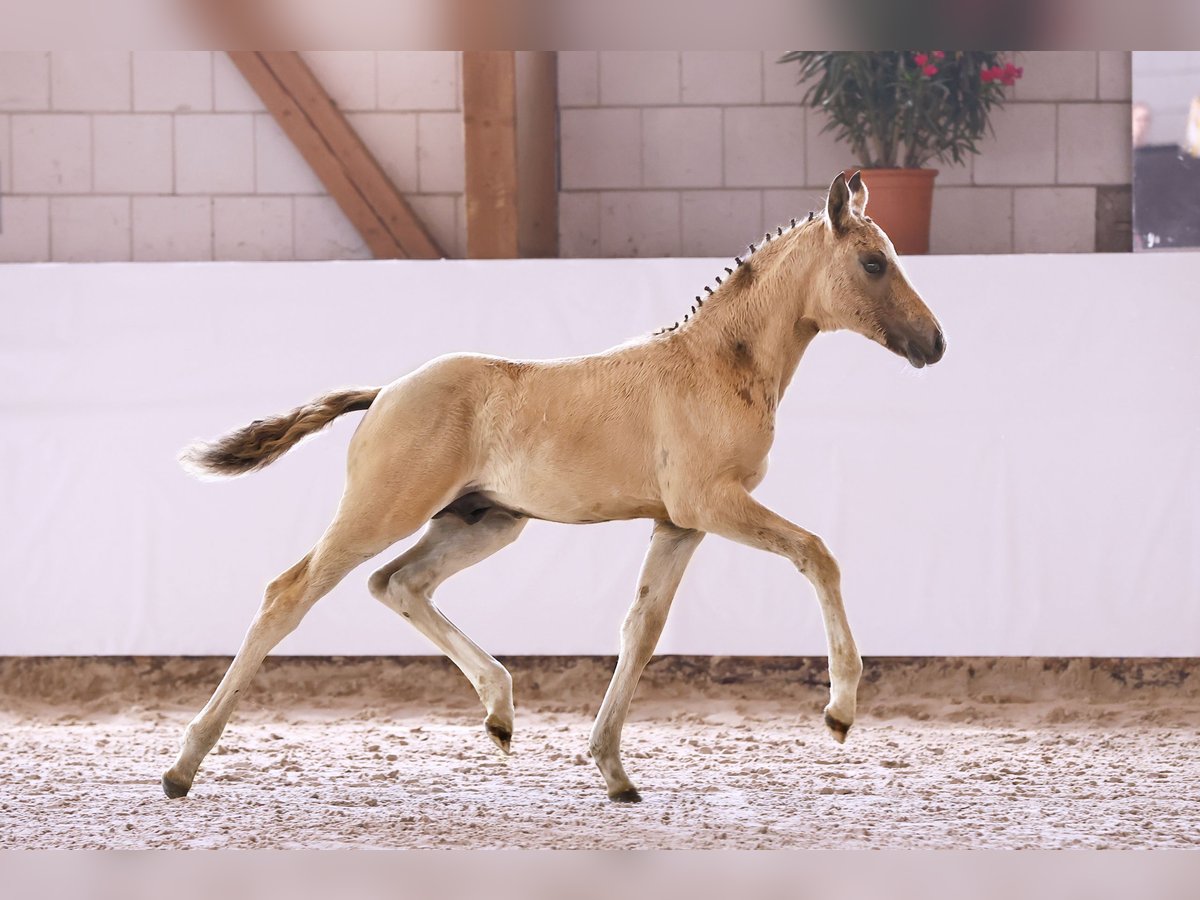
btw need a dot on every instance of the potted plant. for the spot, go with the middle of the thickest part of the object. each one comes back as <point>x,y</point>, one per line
<point>899,110</point>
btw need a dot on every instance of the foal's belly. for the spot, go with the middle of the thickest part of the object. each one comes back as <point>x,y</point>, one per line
<point>574,496</point>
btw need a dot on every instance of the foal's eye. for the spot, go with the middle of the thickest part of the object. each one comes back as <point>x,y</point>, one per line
<point>873,266</point>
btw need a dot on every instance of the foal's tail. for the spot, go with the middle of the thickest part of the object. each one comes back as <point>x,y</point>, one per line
<point>265,440</point>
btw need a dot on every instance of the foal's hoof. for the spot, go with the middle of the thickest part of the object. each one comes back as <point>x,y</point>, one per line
<point>629,795</point>
<point>501,734</point>
<point>836,727</point>
<point>174,789</point>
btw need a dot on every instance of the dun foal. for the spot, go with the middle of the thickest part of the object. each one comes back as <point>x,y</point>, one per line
<point>674,427</point>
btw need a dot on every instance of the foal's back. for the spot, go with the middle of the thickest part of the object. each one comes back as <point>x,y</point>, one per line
<point>568,440</point>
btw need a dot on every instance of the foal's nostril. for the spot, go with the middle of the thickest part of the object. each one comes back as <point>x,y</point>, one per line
<point>939,347</point>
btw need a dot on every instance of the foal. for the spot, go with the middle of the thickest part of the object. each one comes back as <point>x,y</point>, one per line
<point>674,427</point>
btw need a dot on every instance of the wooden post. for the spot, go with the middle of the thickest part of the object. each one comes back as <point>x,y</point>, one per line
<point>490,130</point>
<point>537,152</point>
<point>353,177</point>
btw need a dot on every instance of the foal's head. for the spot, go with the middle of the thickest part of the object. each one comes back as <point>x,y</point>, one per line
<point>861,284</point>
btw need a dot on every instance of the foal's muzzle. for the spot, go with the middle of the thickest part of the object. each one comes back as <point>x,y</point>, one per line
<point>919,349</point>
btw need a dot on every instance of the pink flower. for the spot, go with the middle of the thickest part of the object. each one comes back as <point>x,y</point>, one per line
<point>930,70</point>
<point>921,59</point>
<point>990,74</point>
<point>939,54</point>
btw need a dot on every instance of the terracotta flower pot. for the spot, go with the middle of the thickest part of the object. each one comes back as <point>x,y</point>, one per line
<point>901,202</point>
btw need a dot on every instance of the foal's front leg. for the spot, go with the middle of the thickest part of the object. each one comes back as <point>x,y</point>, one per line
<point>670,550</point>
<point>734,514</point>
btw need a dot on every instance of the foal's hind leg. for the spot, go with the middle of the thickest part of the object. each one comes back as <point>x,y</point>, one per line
<point>287,599</point>
<point>670,550</point>
<point>406,585</point>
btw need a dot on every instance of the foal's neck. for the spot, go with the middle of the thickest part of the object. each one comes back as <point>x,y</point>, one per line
<point>759,316</point>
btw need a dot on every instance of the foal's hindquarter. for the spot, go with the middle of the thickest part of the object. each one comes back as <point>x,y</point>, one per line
<point>674,428</point>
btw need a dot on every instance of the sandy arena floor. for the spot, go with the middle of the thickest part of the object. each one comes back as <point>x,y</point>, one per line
<point>728,753</point>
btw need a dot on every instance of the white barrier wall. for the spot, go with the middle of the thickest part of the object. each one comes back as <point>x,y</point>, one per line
<point>1038,492</point>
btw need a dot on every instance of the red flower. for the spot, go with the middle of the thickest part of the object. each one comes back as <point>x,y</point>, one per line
<point>921,58</point>
<point>930,70</point>
<point>1010,74</point>
<point>991,74</point>
<point>939,54</point>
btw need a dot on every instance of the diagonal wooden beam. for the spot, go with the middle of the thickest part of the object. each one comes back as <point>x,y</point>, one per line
<point>353,177</point>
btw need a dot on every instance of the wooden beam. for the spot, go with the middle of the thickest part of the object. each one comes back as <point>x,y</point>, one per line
<point>336,154</point>
<point>537,152</point>
<point>490,133</point>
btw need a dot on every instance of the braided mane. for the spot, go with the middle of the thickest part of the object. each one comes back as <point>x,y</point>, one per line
<point>732,272</point>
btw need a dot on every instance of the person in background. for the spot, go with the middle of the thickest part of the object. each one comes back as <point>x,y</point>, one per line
<point>1141,124</point>
<point>1192,138</point>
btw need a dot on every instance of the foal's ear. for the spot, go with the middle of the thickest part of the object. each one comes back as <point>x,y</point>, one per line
<point>858,194</point>
<point>837,205</point>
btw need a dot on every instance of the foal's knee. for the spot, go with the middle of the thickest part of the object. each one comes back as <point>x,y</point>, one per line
<point>813,558</point>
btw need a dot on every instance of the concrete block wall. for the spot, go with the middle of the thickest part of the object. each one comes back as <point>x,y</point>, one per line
<point>169,155</point>
<point>694,153</point>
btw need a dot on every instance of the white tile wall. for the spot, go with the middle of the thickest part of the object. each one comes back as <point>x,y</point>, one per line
<point>1086,153</point>
<point>579,224</point>
<point>24,79</point>
<point>170,131</point>
<point>392,139</point>
<point>639,77</point>
<point>132,154</point>
<point>172,81</point>
<point>764,146</point>
<point>90,229</point>
<point>721,223</point>
<point>51,154</point>
<point>253,228</point>
<point>278,166</point>
<point>1022,150</point>
<point>90,80</point>
<point>214,154</point>
<point>639,223</point>
<point>681,146</point>
<point>824,155</point>
<point>441,215</point>
<point>348,76</point>
<point>441,162</point>
<point>24,229</point>
<point>1054,220</point>
<point>418,79</point>
<point>324,232</point>
<point>972,220</point>
<point>172,228</point>
<point>1056,130</point>
<point>1058,75</point>
<point>1114,74</point>
<point>781,206</point>
<point>600,148</point>
<point>724,77</point>
<point>578,77</point>
<point>231,92</point>
<point>5,155</point>
<point>717,135</point>
<point>779,79</point>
